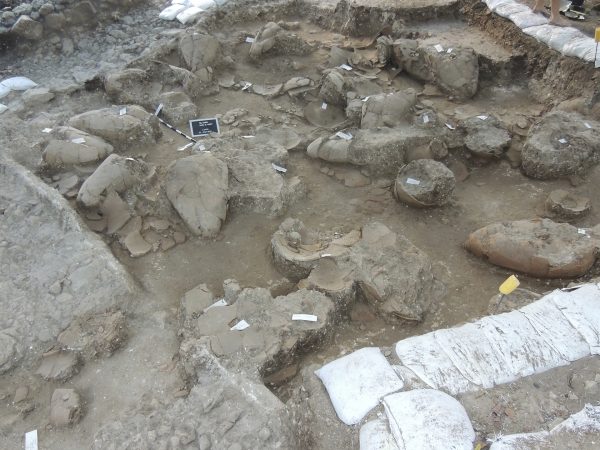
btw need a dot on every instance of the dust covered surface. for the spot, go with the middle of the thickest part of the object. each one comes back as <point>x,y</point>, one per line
<point>380,168</point>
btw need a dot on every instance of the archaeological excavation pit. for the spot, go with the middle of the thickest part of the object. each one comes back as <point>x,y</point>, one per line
<point>284,224</point>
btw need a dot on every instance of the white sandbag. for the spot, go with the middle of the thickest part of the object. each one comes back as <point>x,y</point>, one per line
<point>559,328</point>
<point>562,36</point>
<point>357,382</point>
<point>189,15</point>
<point>583,313</point>
<point>582,47</point>
<point>555,328</point>
<point>540,32</point>
<point>493,4</point>
<point>522,350</point>
<point>202,4</point>
<point>424,356</point>
<point>528,19</point>
<point>18,83</point>
<point>170,12</point>
<point>573,429</point>
<point>426,419</point>
<point>3,108</point>
<point>375,435</point>
<point>508,9</point>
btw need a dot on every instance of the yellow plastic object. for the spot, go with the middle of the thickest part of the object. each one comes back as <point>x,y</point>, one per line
<point>597,35</point>
<point>509,285</point>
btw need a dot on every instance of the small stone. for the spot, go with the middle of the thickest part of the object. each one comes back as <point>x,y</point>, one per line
<point>195,301</point>
<point>21,394</point>
<point>565,206</point>
<point>179,237</point>
<point>522,122</point>
<point>65,407</point>
<point>7,352</point>
<point>136,245</point>
<point>116,212</point>
<point>23,9</point>
<point>59,365</point>
<point>37,96</point>
<point>67,183</point>
<point>167,244</point>
<point>28,28</point>
<point>46,8</point>
<point>156,224</point>
<point>8,18</point>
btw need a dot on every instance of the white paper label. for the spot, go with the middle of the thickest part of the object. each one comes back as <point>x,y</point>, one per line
<point>279,168</point>
<point>366,98</point>
<point>221,302</point>
<point>304,317</point>
<point>450,126</point>
<point>31,440</point>
<point>185,147</point>
<point>482,117</point>
<point>425,118</point>
<point>78,140</point>
<point>247,137</point>
<point>587,125</point>
<point>246,86</point>
<point>345,67</point>
<point>250,40</point>
<point>562,140</point>
<point>47,130</point>
<point>345,136</point>
<point>325,255</point>
<point>412,181</point>
<point>122,111</point>
<point>439,48</point>
<point>241,325</point>
<point>201,147</point>
<point>449,50</point>
<point>324,106</point>
<point>581,231</point>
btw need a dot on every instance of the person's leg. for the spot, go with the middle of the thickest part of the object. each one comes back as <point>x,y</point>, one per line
<point>539,6</point>
<point>555,17</point>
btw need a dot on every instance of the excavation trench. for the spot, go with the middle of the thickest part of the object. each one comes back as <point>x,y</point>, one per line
<point>176,344</point>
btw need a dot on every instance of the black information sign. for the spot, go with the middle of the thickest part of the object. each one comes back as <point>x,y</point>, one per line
<point>203,127</point>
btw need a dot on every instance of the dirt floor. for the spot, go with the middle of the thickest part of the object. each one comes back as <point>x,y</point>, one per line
<point>144,375</point>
